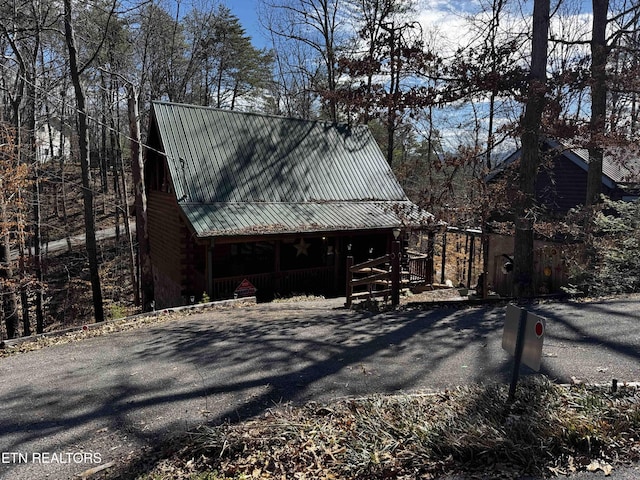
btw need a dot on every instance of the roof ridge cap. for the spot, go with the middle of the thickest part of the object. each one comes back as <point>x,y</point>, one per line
<point>256,113</point>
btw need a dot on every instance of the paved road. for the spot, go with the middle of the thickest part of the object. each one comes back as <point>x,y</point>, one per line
<point>110,395</point>
<point>75,240</point>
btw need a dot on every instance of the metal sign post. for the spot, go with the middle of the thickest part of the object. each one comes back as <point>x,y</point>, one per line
<point>523,337</point>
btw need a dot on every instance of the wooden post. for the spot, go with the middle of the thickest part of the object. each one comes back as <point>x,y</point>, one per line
<point>465,260</point>
<point>277,261</point>
<point>472,253</point>
<point>349,288</point>
<point>522,321</point>
<point>444,256</point>
<point>485,263</point>
<point>395,273</point>
<point>210,254</point>
<point>431,238</point>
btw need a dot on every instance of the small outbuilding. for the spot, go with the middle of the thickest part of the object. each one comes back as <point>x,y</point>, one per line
<point>239,200</point>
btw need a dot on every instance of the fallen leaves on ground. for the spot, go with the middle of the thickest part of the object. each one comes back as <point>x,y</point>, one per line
<point>37,342</point>
<point>548,429</point>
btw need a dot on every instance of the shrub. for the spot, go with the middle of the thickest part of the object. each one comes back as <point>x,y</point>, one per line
<point>609,263</point>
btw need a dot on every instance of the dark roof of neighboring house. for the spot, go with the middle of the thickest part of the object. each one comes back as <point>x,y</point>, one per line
<point>237,173</point>
<point>619,167</point>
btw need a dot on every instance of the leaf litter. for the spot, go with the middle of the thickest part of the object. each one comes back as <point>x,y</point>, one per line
<point>548,430</point>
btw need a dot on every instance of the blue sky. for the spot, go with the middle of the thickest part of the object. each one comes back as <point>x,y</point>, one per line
<point>245,10</point>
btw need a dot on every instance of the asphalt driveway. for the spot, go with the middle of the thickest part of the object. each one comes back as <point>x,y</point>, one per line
<point>68,408</point>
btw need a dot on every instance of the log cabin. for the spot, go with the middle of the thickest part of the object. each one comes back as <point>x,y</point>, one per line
<point>237,199</point>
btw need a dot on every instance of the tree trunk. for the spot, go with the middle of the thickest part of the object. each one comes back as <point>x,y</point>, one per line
<point>37,212</point>
<point>37,250</point>
<point>529,161</point>
<point>83,144</point>
<point>119,172</point>
<point>104,157</point>
<point>9,299</point>
<point>137,170</point>
<point>115,155</point>
<point>599,54</point>
<point>62,155</point>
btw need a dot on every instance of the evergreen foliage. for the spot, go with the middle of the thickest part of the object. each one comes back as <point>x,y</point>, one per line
<point>609,260</point>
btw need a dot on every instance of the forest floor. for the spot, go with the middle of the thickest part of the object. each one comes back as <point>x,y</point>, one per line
<point>466,433</point>
<point>66,285</point>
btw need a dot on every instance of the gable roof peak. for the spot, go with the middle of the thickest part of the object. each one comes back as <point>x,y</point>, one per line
<point>253,113</point>
<point>218,155</point>
<point>236,173</point>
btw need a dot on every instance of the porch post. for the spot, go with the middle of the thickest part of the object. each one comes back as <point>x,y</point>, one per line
<point>444,256</point>
<point>349,287</point>
<point>472,254</point>
<point>431,239</point>
<point>337,249</point>
<point>276,269</point>
<point>395,273</point>
<point>210,269</point>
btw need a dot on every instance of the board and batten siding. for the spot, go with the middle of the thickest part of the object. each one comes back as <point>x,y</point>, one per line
<point>564,187</point>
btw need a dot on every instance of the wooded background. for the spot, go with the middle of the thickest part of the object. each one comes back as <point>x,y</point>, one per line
<point>76,79</point>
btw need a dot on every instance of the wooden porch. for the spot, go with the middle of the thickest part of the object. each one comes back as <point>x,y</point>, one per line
<point>321,280</point>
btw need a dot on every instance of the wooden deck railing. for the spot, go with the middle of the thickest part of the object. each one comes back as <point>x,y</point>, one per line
<point>379,277</point>
<point>291,281</point>
<point>420,270</point>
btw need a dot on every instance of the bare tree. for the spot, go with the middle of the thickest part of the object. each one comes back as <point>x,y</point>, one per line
<point>83,144</point>
<point>142,231</point>
<point>292,89</point>
<point>316,24</point>
<point>529,161</point>
<point>14,180</point>
<point>626,23</point>
<point>599,56</point>
<point>23,31</point>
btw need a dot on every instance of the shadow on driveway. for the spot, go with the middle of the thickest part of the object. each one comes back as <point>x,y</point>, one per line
<point>121,392</point>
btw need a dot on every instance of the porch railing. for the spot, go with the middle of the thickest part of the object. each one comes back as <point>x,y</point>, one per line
<point>420,269</point>
<point>379,277</point>
<point>308,280</point>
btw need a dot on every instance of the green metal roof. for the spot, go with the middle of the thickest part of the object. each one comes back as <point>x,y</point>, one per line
<point>265,217</point>
<point>237,173</point>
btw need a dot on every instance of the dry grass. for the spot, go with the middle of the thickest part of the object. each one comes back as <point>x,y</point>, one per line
<point>82,332</point>
<point>89,330</point>
<point>548,430</point>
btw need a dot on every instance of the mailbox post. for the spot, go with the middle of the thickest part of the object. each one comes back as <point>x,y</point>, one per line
<point>522,337</point>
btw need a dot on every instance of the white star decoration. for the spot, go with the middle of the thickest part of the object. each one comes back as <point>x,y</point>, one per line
<point>302,248</point>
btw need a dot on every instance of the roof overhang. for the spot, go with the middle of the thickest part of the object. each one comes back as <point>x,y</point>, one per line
<point>579,157</point>
<point>265,218</point>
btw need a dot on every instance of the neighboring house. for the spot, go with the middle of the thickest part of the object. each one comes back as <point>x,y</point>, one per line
<point>561,184</point>
<point>53,140</point>
<point>562,180</point>
<point>277,201</point>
